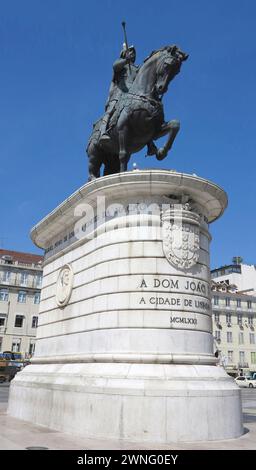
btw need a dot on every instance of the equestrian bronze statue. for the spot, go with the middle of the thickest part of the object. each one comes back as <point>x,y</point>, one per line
<point>134,115</point>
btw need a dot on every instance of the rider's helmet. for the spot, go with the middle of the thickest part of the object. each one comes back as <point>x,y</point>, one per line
<point>124,51</point>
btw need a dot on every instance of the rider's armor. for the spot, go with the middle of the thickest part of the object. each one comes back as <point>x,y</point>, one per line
<point>123,77</point>
<point>124,74</point>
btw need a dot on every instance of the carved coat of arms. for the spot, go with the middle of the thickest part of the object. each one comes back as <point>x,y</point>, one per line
<point>181,237</point>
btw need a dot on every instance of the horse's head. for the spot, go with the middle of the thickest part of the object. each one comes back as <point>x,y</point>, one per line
<point>168,65</point>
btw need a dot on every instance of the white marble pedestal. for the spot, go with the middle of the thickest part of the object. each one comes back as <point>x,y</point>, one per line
<point>124,345</point>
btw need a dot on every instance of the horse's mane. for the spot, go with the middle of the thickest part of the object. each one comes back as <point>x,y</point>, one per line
<point>165,48</point>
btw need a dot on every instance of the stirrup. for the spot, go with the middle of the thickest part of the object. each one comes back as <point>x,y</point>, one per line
<point>104,138</point>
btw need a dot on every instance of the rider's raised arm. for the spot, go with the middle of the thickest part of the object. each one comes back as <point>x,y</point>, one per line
<point>119,64</point>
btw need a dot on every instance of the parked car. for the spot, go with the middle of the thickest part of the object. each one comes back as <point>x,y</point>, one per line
<point>2,377</point>
<point>9,368</point>
<point>243,381</point>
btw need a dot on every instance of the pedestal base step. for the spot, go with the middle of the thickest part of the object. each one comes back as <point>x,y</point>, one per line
<point>137,402</point>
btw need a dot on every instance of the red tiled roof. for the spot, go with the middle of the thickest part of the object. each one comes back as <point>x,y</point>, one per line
<point>27,258</point>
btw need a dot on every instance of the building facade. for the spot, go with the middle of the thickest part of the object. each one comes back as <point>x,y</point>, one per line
<point>20,286</point>
<point>234,328</point>
<point>243,276</point>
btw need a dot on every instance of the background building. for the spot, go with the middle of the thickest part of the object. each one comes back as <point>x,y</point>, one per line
<point>243,276</point>
<point>234,323</point>
<point>20,285</point>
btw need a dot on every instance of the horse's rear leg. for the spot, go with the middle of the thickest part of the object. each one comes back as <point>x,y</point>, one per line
<point>124,156</point>
<point>123,127</point>
<point>94,166</point>
<point>112,165</point>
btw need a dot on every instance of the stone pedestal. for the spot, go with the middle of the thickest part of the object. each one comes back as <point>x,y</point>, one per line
<point>124,346</point>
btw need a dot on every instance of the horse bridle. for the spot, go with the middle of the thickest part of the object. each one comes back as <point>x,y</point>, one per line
<point>165,60</point>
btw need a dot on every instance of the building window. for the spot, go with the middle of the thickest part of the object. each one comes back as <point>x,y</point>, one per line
<point>16,345</point>
<point>252,338</point>
<point>217,335</point>
<point>241,338</point>
<point>38,280</point>
<point>19,321</point>
<point>37,298</point>
<point>31,349</point>
<point>249,304</point>
<point>6,276</point>
<point>22,297</point>
<point>253,357</point>
<point>239,319</point>
<point>4,294</point>
<point>241,357</point>
<point>250,320</point>
<point>215,300</point>
<point>34,322</point>
<point>228,318</point>
<point>24,279</point>
<point>217,317</point>
<point>227,301</point>
<point>229,337</point>
<point>230,357</point>
<point>238,303</point>
<point>2,321</point>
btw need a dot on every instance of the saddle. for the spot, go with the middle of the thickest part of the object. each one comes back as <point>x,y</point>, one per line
<point>132,102</point>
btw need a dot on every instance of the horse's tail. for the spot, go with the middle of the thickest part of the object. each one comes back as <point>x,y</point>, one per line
<point>95,135</point>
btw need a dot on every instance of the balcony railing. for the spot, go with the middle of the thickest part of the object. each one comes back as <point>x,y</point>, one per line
<point>234,308</point>
<point>15,281</point>
<point>243,365</point>
<point>20,264</point>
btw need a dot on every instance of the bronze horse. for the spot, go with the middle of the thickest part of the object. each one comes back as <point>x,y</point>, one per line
<point>139,117</point>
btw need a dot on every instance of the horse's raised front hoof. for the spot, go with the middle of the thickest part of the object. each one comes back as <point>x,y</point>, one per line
<point>161,154</point>
<point>152,149</point>
<point>175,124</point>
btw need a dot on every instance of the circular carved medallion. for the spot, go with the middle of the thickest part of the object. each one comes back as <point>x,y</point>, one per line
<point>64,285</point>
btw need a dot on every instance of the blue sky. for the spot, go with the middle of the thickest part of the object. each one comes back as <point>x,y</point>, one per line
<point>56,64</point>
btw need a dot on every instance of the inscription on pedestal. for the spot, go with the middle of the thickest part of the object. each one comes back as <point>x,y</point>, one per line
<point>187,299</point>
<point>176,302</point>
<point>177,283</point>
